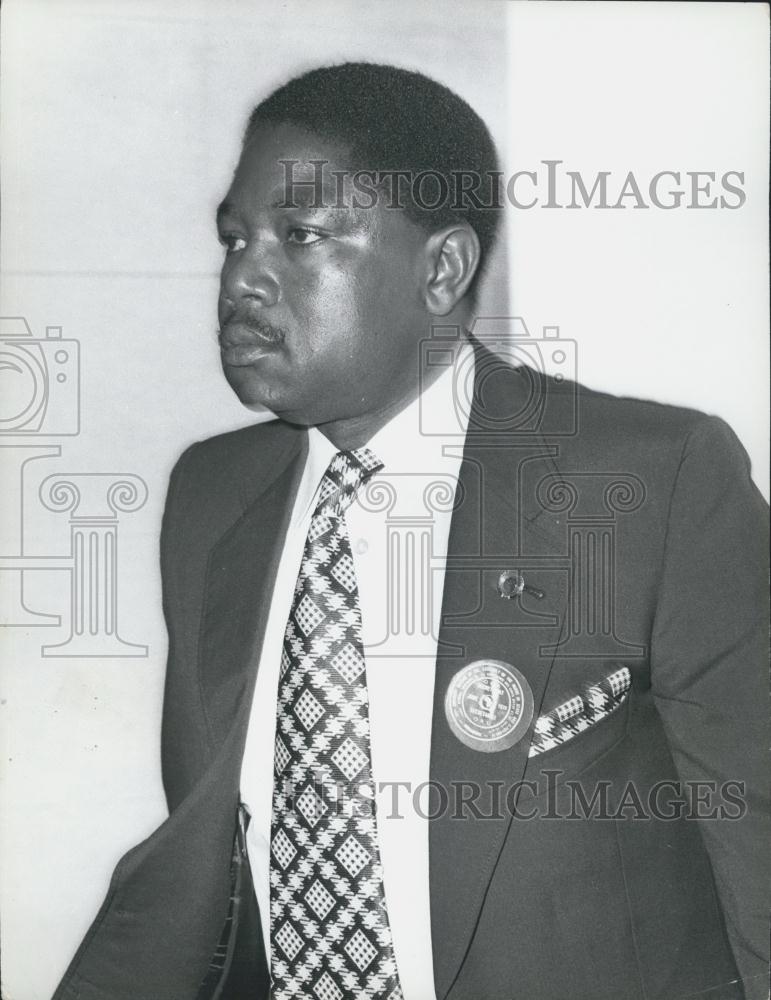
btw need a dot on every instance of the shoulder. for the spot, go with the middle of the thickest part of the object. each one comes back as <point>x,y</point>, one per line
<point>227,453</point>
<point>624,427</point>
<point>218,477</point>
<point>671,453</point>
<point>584,421</point>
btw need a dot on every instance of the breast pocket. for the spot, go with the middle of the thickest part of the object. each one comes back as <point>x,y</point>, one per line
<point>574,733</point>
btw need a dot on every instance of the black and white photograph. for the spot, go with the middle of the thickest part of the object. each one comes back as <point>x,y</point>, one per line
<point>384,462</point>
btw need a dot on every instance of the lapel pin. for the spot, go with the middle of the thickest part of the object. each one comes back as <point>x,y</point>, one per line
<point>489,705</point>
<point>511,584</point>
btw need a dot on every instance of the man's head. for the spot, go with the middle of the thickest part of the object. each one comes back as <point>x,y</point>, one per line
<point>324,300</point>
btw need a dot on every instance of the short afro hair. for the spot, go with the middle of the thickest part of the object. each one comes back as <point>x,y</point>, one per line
<point>397,119</point>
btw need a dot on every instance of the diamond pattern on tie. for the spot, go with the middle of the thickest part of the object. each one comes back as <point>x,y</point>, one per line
<point>344,573</point>
<point>289,941</point>
<point>327,989</point>
<point>307,615</point>
<point>308,709</point>
<point>352,855</point>
<point>330,936</point>
<point>311,806</point>
<point>319,899</point>
<point>282,756</point>
<point>349,663</point>
<point>361,950</point>
<point>349,758</point>
<point>283,848</point>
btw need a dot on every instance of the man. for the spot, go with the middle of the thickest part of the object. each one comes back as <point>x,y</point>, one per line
<point>585,718</point>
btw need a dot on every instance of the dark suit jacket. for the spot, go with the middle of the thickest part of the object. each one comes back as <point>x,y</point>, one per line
<point>569,487</point>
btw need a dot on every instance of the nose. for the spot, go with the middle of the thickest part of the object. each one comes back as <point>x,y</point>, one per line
<point>250,274</point>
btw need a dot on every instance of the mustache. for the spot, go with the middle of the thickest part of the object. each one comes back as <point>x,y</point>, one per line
<point>242,329</point>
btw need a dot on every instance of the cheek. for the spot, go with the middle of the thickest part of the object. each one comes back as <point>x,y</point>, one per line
<point>349,316</point>
<point>329,313</point>
<point>391,316</point>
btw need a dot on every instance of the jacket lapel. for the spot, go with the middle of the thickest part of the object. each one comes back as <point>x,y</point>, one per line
<point>239,587</point>
<point>496,526</point>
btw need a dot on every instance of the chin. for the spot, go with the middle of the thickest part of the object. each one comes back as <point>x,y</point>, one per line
<point>257,393</point>
<point>251,390</point>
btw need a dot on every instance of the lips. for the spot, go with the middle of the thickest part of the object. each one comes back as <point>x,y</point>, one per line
<point>245,343</point>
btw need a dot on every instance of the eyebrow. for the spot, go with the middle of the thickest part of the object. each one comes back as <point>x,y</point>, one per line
<point>226,209</point>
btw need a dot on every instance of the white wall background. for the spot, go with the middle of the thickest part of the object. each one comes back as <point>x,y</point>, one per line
<point>669,305</point>
<point>120,127</point>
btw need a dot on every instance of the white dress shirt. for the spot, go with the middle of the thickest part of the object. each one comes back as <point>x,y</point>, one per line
<point>397,512</point>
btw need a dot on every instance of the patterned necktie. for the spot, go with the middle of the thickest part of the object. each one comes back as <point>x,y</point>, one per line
<point>330,936</point>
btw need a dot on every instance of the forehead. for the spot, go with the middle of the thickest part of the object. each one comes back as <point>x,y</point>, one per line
<point>284,163</point>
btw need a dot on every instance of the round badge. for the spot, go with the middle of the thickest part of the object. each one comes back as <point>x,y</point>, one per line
<point>489,705</point>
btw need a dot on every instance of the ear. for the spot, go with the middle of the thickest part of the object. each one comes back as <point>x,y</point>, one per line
<point>452,255</point>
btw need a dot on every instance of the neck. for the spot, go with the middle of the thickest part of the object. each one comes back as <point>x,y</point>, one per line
<point>348,433</point>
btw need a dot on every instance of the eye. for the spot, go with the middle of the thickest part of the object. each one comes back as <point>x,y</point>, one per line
<point>302,236</point>
<point>231,242</point>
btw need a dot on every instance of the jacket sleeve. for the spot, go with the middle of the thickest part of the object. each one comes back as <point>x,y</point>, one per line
<point>180,662</point>
<point>709,661</point>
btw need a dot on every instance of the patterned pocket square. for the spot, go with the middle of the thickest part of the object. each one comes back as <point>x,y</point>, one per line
<point>579,713</point>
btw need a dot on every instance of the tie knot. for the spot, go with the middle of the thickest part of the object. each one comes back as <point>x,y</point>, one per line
<point>345,474</point>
